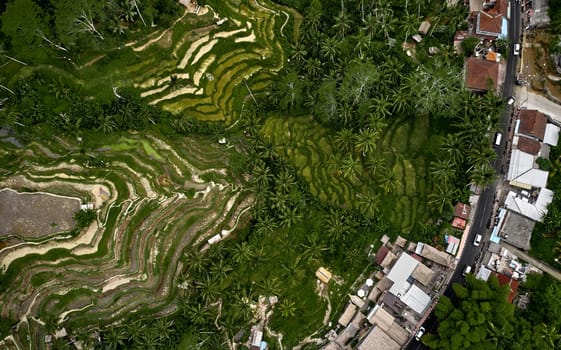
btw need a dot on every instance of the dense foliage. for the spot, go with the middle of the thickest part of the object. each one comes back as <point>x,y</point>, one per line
<point>480,317</point>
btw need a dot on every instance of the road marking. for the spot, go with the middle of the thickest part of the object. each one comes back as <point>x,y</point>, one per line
<point>484,206</point>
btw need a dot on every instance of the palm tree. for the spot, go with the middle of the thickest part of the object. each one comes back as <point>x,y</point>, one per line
<point>330,49</point>
<point>550,335</point>
<point>270,286</point>
<point>387,181</point>
<point>351,168</point>
<point>285,181</point>
<point>198,314</point>
<point>243,253</point>
<point>452,146</point>
<point>478,156</point>
<point>342,24</point>
<point>442,170</point>
<point>287,308</point>
<point>289,217</point>
<point>381,106</point>
<point>483,174</point>
<point>365,141</point>
<point>135,331</point>
<point>376,164</point>
<point>313,67</point>
<point>261,173</point>
<point>107,124</point>
<point>266,225</point>
<point>441,197</point>
<point>501,338</point>
<point>313,247</point>
<point>344,140</point>
<point>409,24</point>
<point>399,101</point>
<point>335,225</point>
<point>362,42</point>
<point>293,271</point>
<point>369,204</point>
<point>313,15</point>
<point>113,337</point>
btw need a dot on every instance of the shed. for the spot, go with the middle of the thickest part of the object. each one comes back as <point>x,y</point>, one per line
<point>462,210</point>
<point>323,275</point>
<point>424,27</point>
<point>388,259</point>
<point>400,241</point>
<point>381,254</point>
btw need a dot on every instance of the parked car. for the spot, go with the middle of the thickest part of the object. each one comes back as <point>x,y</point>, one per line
<point>498,138</point>
<point>477,240</point>
<point>419,333</point>
<point>516,49</point>
<point>467,270</point>
<point>511,100</point>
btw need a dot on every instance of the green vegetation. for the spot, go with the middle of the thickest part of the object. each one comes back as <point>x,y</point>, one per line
<point>331,135</point>
<point>84,217</point>
<point>482,318</point>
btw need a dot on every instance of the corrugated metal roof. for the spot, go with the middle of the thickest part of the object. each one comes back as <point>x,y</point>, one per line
<point>551,136</point>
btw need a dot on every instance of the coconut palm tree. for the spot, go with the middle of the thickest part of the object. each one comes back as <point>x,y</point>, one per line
<point>289,217</point>
<point>362,42</point>
<point>369,204</point>
<point>243,253</point>
<point>387,181</point>
<point>351,168</point>
<point>550,335</point>
<point>442,170</point>
<point>452,147</point>
<point>313,247</point>
<point>344,140</point>
<point>261,173</point>
<point>365,140</point>
<point>113,337</point>
<point>287,308</point>
<point>483,174</point>
<point>266,225</point>
<point>343,24</point>
<point>409,24</point>
<point>441,197</point>
<point>330,49</point>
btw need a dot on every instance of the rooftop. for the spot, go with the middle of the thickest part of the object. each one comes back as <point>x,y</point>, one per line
<point>400,272</point>
<point>521,171</point>
<point>534,211</point>
<point>347,315</point>
<point>462,210</point>
<point>551,136</point>
<point>381,254</point>
<point>377,339</point>
<point>513,284</point>
<point>423,274</point>
<point>528,145</point>
<point>532,123</point>
<point>489,24</point>
<point>433,254</point>
<point>480,72</point>
<point>519,230</point>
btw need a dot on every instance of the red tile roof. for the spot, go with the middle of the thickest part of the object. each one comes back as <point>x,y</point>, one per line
<point>462,210</point>
<point>509,281</point>
<point>528,145</point>
<point>532,123</point>
<point>489,24</point>
<point>459,223</point>
<point>479,72</point>
<point>381,254</point>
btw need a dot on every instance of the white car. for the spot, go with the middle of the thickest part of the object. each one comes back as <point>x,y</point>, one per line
<point>477,240</point>
<point>511,100</point>
<point>419,333</point>
<point>467,270</point>
<point>516,49</point>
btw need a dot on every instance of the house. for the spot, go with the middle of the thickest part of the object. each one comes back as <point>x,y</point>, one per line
<point>377,339</point>
<point>481,74</point>
<point>382,319</point>
<point>489,25</point>
<point>532,123</point>
<point>403,284</point>
<point>523,172</point>
<point>526,144</point>
<point>517,230</point>
<point>551,136</point>
<point>462,210</point>
<point>532,209</point>
<point>347,315</point>
<point>433,254</point>
<point>513,285</point>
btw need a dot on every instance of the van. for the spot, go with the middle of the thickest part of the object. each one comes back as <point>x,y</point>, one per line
<point>516,49</point>
<point>477,240</point>
<point>467,270</point>
<point>419,333</point>
<point>498,138</point>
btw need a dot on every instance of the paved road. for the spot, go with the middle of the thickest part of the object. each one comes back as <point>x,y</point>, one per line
<point>486,200</point>
<point>535,262</point>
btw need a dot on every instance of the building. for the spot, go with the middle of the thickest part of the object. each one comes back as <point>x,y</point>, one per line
<point>527,206</point>
<point>323,275</point>
<point>403,284</point>
<point>524,173</point>
<point>462,210</point>
<point>517,230</point>
<point>532,123</point>
<point>489,25</point>
<point>424,27</point>
<point>377,339</point>
<point>481,74</point>
<point>513,285</point>
<point>431,253</point>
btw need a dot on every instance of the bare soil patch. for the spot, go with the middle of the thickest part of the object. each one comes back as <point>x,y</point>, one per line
<point>33,215</point>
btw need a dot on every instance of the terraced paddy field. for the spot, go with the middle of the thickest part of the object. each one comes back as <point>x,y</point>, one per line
<point>309,147</point>
<point>154,202</point>
<point>202,66</point>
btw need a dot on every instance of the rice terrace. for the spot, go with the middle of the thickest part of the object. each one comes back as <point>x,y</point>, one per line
<point>221,174</point>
